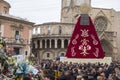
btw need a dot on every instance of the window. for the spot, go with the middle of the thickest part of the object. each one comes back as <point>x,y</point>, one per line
<point>26,53</point>
<point>17,51</point>
<point>17,35</point>
<point>35,54</point>
<point>100,23</point>
<point>39,30</point>
<point>53,43</point>
<point>48,43</point>
<point>43,43</point>
<point>36,30</point>
<point>62,55</point>
<point>48,30</point>
<point>38,44</point>
<point>5,10</point>
<point>33,45</point>
<point>48,55</point>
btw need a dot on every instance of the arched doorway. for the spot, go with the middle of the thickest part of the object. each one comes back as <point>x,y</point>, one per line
<point>52,43</point>
<point>65,43</point>
<point>62,54</point>
<point>107,47</point>
<point>48,55</point>
<point>58,43</point>
<point>38,44</point>
<point>33,44</point>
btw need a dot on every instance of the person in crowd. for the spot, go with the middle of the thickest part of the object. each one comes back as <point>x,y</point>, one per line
<point>56,70</point>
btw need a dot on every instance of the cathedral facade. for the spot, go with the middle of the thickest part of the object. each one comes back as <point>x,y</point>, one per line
<point>51,39</point>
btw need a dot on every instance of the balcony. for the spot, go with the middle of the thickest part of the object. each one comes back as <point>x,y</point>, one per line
<point>13,41</point>
<point>109,34</point>
<point>51,35</point>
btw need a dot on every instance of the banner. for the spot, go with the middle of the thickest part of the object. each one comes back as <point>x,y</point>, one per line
<point>84,42</point>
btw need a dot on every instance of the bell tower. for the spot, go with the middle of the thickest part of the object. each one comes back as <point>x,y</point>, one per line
<point>70,9</point>
<point>4,7</point>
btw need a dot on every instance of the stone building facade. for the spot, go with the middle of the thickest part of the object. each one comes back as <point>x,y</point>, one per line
<point>16,31</point>
<point>51,39</point>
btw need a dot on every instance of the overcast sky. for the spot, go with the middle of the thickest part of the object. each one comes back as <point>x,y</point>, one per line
<point>40,11</point>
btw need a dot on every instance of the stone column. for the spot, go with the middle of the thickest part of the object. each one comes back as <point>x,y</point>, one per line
<point>50,43</point>
<point>40,43</point>
<point>55,43</point>
<point>45,43</point>
<point>62,43</point>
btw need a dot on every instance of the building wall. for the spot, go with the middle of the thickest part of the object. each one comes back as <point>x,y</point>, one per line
<point>11,26</point>
<point>117,25</point>
<point>55,49</point>
<point>67,28</point>
<point>7,29</point>
<point>66,33</point>
<point>7,25</point>
<point>9,33</point>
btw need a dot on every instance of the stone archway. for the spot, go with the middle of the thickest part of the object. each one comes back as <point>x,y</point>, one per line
<point>48,43</point>
<point>48,55</point>
<point>38,44</point>
<point>61,53</point>
<point>107,47</point>
<point>59,43</point>
<point>65,43</point>
<point>43,43</point>
<point>52,43</point>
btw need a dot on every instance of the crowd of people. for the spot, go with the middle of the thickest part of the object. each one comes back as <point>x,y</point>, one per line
<point>56,70</point>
